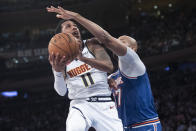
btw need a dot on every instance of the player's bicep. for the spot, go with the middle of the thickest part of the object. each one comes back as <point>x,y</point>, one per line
<point>99,52</point>
<point>131,65</point>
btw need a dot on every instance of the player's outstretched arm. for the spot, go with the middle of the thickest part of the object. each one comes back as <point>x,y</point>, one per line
<point>110,42</point>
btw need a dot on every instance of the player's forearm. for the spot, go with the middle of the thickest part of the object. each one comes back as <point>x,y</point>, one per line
<point>110,42</point>
<point>59,83</point>
<point>95,29</point>
<point>101,65</point>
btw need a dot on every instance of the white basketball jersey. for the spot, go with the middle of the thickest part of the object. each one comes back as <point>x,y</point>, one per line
<point>83,81</point>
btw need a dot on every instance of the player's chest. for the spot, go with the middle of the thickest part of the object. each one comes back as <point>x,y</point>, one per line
<point>77,67</point>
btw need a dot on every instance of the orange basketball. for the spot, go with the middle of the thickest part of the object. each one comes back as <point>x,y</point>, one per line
<point>65,44</point>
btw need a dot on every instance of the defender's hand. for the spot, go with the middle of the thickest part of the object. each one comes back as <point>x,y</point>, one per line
<point>62,13</point>
<point>58,63</point>
<point>112,84</point>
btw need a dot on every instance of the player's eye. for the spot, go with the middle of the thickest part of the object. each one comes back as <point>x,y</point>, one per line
<point>75,25</point>
<point>68,26</point>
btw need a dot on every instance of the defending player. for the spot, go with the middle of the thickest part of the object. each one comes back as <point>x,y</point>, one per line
<point>132,90</point>
<point>132,87</point>
<point>91,103</point>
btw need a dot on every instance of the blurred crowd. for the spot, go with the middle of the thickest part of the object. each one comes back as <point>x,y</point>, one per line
<point>155,34</point>
<point>164,33</point>
<point>24,40</point>
<point>41,112</point>
<point>175,96</point>
<point>20,5</point>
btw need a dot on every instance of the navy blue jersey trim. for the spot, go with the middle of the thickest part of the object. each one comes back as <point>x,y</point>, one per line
<point>89,50</point>
<point>79,111</point>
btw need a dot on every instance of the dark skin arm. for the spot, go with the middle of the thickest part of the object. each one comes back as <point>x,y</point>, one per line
<point>102,60</point>
<point>115,45</point>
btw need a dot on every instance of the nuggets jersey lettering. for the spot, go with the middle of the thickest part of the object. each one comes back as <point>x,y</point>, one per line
<point>133,98</point>
<point>84,81</point>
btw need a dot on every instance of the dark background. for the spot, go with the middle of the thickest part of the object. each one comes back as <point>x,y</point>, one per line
<point>165,31</point>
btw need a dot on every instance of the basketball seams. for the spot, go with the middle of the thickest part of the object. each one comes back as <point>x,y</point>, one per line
<point>74,48</point>
<point>67,48</point>
<point>65,44</point>
<point>71,52</point>
<point>58,47</point>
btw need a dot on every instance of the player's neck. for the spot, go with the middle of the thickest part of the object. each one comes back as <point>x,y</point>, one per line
<point>82,45</point>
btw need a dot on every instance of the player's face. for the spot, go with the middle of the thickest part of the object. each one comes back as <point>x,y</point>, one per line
<point>70,27</point>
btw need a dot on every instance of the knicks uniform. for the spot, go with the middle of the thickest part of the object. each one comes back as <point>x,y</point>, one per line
<point>133,95</point>
<point>91,103</point>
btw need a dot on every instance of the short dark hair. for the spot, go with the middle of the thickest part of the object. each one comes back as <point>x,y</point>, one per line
<point>58,28</point>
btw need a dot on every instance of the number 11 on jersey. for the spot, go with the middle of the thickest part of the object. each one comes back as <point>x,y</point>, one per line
<point>87,79</point>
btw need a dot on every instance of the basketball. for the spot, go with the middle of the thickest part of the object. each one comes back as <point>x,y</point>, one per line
<point>65,44</point>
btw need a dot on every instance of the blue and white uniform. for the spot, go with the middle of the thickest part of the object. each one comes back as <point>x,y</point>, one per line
<point>133,95</point>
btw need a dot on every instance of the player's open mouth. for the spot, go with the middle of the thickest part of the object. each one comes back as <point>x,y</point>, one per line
<point>76,34</point>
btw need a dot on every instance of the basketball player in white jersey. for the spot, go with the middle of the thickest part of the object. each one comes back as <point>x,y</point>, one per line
<point>135,104</point>
<point>91,103</point>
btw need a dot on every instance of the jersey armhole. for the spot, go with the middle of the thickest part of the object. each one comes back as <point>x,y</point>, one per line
<point>89,49</point>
